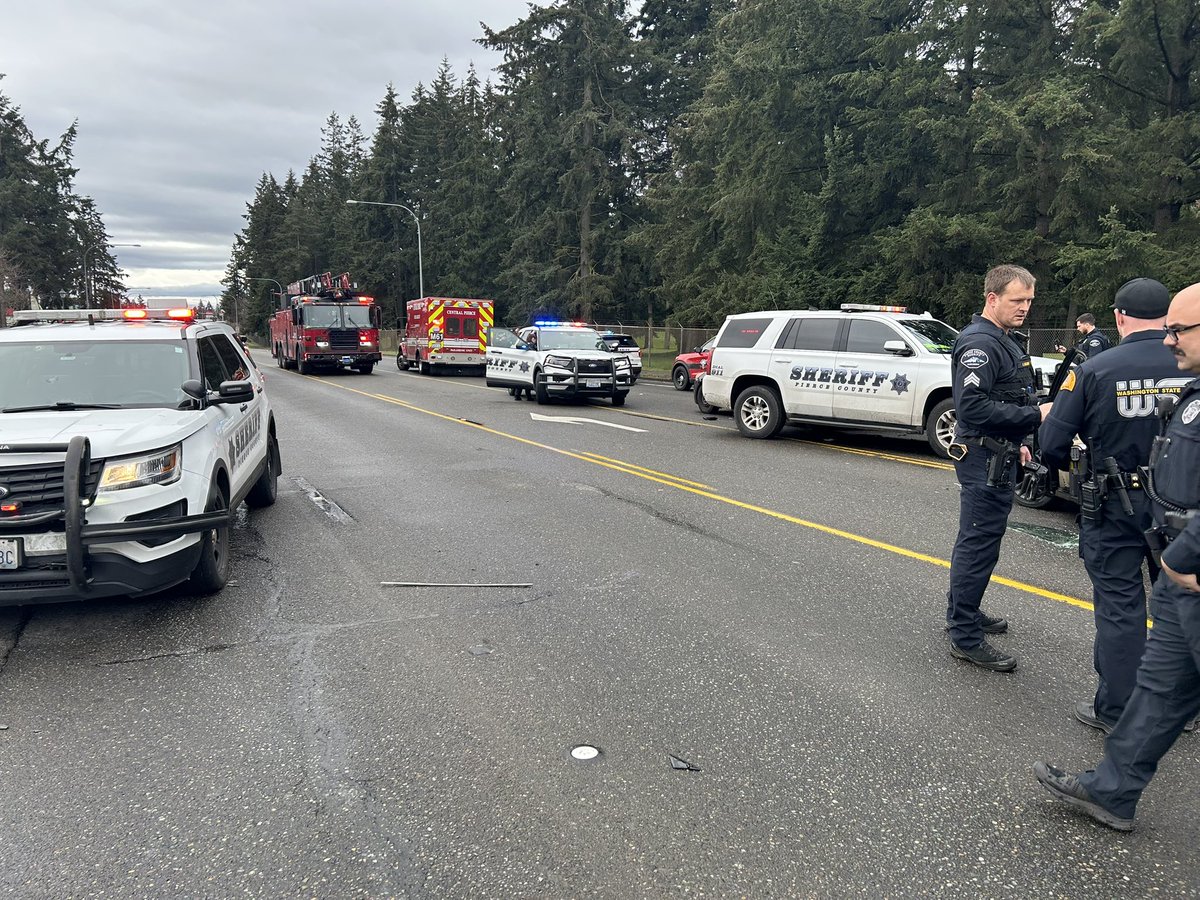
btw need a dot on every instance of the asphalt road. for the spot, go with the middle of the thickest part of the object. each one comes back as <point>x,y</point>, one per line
<point>646,582</point>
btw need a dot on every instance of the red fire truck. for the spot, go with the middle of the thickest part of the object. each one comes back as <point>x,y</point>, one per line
<point>445,331</point>
<point>326,323</point>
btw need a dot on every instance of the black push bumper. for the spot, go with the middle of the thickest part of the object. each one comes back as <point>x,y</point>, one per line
<point>95,575</point>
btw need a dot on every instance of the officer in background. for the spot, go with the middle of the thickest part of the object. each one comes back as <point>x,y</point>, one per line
<point>994,400</point>
<point>1167,694</point>
<point>1092,340</point>
<point>1109,401</point>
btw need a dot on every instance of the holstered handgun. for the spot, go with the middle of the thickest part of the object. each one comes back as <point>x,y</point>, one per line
<point>1004,453</point>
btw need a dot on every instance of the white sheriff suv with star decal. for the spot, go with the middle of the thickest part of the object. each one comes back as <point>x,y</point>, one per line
<point>862,366</point>
<point>127,439</point>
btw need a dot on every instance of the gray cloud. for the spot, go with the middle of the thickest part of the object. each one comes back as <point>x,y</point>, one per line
<point>182,106</point>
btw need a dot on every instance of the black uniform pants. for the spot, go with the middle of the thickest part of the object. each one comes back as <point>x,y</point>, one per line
<point>982,518</point>
<point>1113,551</point>
<point>1166,698</point>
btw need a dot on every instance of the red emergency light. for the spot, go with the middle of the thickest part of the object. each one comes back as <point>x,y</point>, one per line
<point>135,314</point>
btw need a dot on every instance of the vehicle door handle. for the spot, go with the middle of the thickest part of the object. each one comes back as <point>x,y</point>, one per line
<point>783,362</point>
<point>243,407</point>
<point>850,365</point>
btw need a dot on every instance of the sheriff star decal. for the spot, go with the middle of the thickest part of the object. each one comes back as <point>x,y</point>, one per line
<point>524,367</point>
<point>900,383</point>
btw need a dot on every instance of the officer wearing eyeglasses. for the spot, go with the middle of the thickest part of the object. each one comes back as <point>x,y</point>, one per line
<point>1109,402</point>
<point>1167,693</point>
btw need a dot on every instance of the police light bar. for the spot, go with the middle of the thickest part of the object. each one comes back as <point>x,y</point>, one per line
<point>549,323</point>
<point>868,307</point>
<point>183,313</point>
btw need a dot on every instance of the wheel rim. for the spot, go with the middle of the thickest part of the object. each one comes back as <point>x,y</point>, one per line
<point>681,379</point>
<point>219,540</point>
<point>944,428</point>
<point>756,414</point>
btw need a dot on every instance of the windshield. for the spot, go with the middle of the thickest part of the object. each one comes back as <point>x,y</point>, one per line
<point>118,373</point>
<point>935,336</point>
<point>341,315</point>
<point>502,337</point>
<point>570,340</point>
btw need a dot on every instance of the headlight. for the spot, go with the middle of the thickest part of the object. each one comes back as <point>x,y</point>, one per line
<point>323,344</point>
<point>560,362</point>
<point>159,467</point>
<point>622,362</point>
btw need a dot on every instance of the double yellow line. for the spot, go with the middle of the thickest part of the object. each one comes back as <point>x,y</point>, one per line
<point>703,490</point>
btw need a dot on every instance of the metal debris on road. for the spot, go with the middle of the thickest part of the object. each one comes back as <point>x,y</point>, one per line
<point>681,764</point>
<point>453,584</point>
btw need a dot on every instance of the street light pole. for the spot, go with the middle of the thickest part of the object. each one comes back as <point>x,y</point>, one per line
<point>257,278</point>
<point>417,219</point>
<point>87,280</point>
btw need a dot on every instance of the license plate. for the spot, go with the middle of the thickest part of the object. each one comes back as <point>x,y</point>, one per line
<point>346,360</point>
<point>594,382</point>
<point>10,553</point>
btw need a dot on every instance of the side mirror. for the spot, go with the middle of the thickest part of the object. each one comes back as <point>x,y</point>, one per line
<point>234,392</point>
<point>899,348</point>
<point>194,389</point>
<point>376,317</point>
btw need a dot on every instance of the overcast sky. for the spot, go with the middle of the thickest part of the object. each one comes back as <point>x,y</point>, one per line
<point>182,105</point>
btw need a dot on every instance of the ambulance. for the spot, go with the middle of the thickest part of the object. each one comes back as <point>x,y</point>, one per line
<point>445,332</point>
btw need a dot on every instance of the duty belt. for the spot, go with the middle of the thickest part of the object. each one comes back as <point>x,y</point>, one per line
<point>1128,480</point>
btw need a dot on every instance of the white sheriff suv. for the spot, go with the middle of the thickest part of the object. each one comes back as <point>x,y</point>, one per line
<point>862,366</point>
<point>127,438</point>
<point>558,360</point>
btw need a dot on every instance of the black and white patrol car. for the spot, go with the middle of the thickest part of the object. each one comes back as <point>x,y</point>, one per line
<point>127,438</point>
<point>558,360</point>
<point>862,366</point>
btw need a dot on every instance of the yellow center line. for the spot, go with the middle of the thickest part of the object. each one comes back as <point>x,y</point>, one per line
<point>683,485</point>
<point>629,465</point>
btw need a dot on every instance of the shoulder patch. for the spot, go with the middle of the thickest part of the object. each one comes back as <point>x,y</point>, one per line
<point>1190,412</point>
<point>1069,383</point>
<point>1094,342</point>
<point>974,358</point>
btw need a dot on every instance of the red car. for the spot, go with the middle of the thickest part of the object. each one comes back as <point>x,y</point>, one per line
<point>688,365</point>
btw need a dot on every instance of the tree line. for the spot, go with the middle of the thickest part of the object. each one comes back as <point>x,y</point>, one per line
<point>48,232</point>
<point>703,157</point>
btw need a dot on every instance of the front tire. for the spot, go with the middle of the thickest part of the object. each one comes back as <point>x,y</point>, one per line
<point>706,409</point>
<point>265,489</point>
<point>539,389</point>
<point>939,427</point>
<point>212,571</point>
<point>401,361</point>
<point>680,378</point>
<point>758,412</point>
<point>618,399</point>
<point>366,369</point>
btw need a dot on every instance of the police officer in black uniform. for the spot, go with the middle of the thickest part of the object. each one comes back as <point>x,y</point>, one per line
<point>1093,340</point>
<point>1167,694</point>
<point>996,408</point>
<point>1109,401</point>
